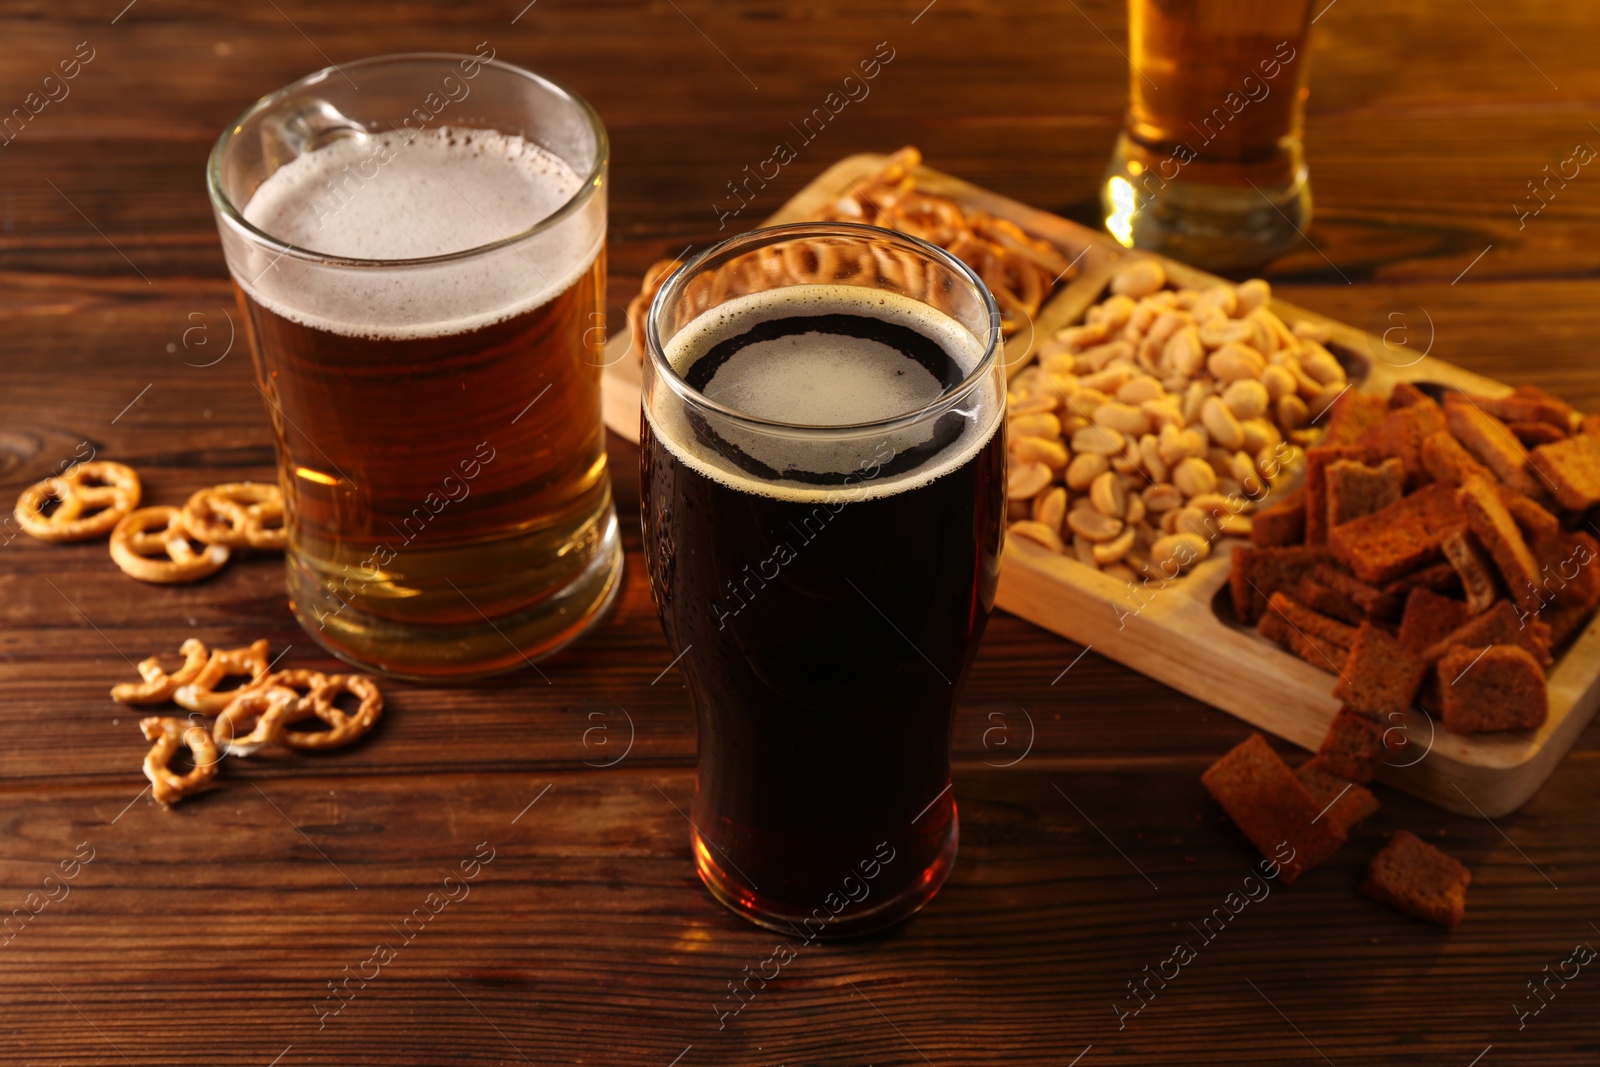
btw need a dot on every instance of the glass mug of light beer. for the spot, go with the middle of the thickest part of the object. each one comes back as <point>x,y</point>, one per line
<point>823,459</point>
<point>1209,167</point>
<point>420,265</point>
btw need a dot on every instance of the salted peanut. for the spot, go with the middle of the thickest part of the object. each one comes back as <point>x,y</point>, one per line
<point>1124,418</point>
<point>1325,398</point>
<point>1194,396</point>
<point>1285,338</point>
<point>1221,424</point>
<point>1221,461</point>
<point>1145,313</point>
<point>1098,439</point>
<point>1071,424</point>
<point>1150,458</point>
<point>1078,338</point>
<point>1321,364</point>
<point>1225,332</point>
<point>1112,313</point>
<point>1189,519</point>
<point>1111,379</point>
<point>1115,549</point>
<point>1244,472</point>
<point>1026,480</point>
<point>1246,398</point>
<point>1050,508</point>
<point>1108,496</point>
<point>1159,499</point>
<point>1135,510</point>
<point>1121,572</point>
<point>1084,468</point>
<point>1139,278</point>
<point>1166,324</point>
<point>1027,382</point>
<point>1184,353</point>
<point>1040,534</point>
<point>1174,445</point>
<point>1059,386</point>
<point>1031,405</point>
<point>1305,384</point>
<point>1164,411</point>
<point>1052,454</point>
<point>1084,400</point>
<point>1278,380</point>
<point>1258,434</point>
<point>1236,362</point>
<point>1083,548</point>
<point>1320,332</point>
<point>1292,412</point>
<point>1175,553</point>
<point>1052,364</point>
<point>1252,294</point>
<point>1093,525</point>
<point>1139,388</point>
<point>1224,298</point>
<point>1147,355</point>
<point>1040,425</point>
<point>1102,356</point>
<point>1194,475</point>
<point>1125,464</point>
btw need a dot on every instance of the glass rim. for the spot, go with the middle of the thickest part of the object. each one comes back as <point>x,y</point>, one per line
<point>226,209</point>
<point>786,231</point>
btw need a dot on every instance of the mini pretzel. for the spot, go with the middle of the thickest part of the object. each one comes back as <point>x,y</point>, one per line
<point>200,695</point>
<point>343,728</point>
<point>169,735</point>
<point>106,503</point>
<point>142,537</point>
<point>265,705</point>
<point>158,686</point>
<point>238,515</point>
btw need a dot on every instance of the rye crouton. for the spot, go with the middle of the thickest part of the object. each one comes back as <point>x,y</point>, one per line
<point>1381,676</point>
<point>1411,875</point>
<point>1271,806</point>
<point>1500,625</point>
<point>1353,414</point>
<point>1322,642</point>
<point>1534,434</point>
<point>1448,462</point>
<point>1317,461</point>
<point>1355,489</point>
<point>1497,531</point>
<point>1400,434</point>
<point>1353,748</point>
<point>1282,522</point>
<point>1402,537</point>
<point>1498,687</point>
<point>1532,518</point>
<point>1569,581</point>
<point>1405,394</point>
<point>1430,618</point>
<point>1346,598</point>
<point>1464,553</point>
<point>1491,442</point>
<point>1341,801</point>
<point>1528,403</point>
<point>1439,578</point>
<point>1570,469</point>
<point>1257,573</point>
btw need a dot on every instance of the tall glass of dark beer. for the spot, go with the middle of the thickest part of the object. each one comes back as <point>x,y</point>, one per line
<point>420,267</point>
<point>823,466</point>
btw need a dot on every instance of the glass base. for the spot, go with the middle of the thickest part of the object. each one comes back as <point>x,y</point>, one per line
<point>1204,223</point>
<point>818,923</point>
<point>466,651</point>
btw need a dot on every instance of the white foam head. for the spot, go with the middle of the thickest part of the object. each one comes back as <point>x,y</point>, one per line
<point>407,195</point>
<point>824,380</point>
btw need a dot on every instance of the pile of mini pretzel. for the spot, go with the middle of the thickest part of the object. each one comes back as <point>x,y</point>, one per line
<point>166,545</point>
<point>1021,271</point>
<point>239,722</point>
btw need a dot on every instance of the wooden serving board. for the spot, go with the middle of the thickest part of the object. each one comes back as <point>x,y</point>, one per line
<point>1184,635</point>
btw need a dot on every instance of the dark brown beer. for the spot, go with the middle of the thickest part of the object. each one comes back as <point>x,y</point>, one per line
<point>827,603</point>
<point>443,458</point>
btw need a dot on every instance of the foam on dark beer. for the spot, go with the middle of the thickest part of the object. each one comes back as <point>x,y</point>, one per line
<point>824,381</point>
<point>440,191</point>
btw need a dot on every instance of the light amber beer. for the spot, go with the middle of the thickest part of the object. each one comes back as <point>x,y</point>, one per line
<point>433,381</point>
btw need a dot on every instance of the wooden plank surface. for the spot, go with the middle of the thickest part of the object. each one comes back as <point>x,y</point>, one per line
<point>211,933</point>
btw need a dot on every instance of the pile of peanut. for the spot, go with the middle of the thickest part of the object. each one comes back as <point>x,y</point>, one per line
<point>1162,420</point>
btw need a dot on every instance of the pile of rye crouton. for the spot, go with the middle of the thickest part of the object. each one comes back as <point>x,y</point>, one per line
<point>1436,556</point>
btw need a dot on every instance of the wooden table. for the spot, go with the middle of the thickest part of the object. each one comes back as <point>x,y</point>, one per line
<point>213,933</point>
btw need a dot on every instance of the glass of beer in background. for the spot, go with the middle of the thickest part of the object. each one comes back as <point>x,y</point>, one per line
<point>1209,168</point>
<point>420,263</point>
<point>823,459</point>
